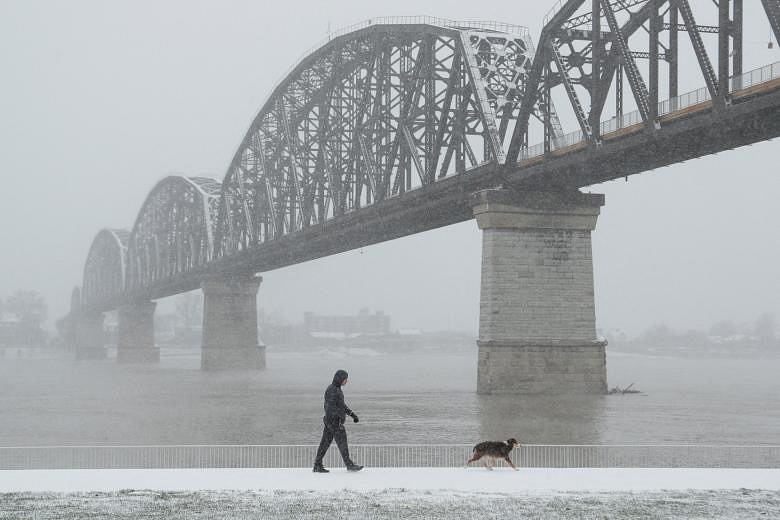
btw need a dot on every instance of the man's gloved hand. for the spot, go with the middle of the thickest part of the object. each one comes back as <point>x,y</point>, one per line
<point>355,417</point>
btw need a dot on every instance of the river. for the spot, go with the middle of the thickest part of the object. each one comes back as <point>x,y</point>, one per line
<point>424,398</point>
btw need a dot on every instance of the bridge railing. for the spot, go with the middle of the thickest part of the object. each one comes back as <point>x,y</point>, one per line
<point>755,77</point>
<point>384,455</point>
<point>689,99</point>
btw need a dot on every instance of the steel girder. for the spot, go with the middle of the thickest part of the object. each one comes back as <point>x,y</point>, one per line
<point>772,9</point>
<point>369,116</point>
<point>174,230</point>
<point>588,48</point>
<point>104,270</point>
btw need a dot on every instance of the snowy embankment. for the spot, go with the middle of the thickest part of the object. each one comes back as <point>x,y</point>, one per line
<point>390,493</point>
<point>501,480</point>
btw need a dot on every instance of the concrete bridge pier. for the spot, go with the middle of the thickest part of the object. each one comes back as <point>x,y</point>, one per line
<point>537,324</point>
<point>88,337</point>
<point>230,324</point>
<point>135,341</point>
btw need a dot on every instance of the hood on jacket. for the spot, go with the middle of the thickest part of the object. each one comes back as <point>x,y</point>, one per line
<point>339,377</point>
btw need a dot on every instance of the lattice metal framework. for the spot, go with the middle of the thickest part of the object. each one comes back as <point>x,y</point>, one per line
<point>105,270</point>
<point>174,231</point>
<point>391,107</point>
<point>371,115</point>
<point>590,48</point>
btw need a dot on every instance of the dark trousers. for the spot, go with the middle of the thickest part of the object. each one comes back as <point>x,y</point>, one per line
<point>334,429</point>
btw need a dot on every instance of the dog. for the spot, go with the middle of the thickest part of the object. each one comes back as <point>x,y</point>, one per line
<point>493,450</point>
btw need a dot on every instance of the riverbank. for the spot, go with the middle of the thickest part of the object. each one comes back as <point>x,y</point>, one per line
<point>390,494</point>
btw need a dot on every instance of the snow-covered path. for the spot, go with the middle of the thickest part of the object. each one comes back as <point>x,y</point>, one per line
<point>390,494</point>
<point>501,480</point>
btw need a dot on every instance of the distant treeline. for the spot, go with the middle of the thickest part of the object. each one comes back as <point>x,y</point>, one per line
<point>21,316</point>
<point>722,337</point>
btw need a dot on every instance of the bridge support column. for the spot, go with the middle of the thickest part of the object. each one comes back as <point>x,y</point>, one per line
<point>537,324</point>
<point>135,341</point>
<point>88,336</point>
<point>230,324</point>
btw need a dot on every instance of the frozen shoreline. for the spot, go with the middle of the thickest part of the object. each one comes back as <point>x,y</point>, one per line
<point>477,479</point>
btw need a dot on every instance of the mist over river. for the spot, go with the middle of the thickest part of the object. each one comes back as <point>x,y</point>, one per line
<point>414,398</point>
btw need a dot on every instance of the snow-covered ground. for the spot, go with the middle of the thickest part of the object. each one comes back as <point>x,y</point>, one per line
<point>500,480</point>
<point>384,493</point>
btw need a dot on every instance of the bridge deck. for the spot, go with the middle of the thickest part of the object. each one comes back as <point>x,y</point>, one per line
<point>706,105</point>
<point>692,131</point>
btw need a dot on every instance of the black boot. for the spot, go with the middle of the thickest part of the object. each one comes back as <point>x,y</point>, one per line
<point>319,468</point>
<point>351,466</point>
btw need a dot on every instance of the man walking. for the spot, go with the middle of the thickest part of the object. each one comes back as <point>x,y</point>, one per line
<point>336,412</point>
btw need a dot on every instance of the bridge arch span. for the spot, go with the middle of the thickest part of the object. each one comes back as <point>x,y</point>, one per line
<point>105,269</point>
<point>174,230</point>
<point>371,114</point>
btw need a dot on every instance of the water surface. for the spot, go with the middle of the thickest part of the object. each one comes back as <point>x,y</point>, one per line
<point>401,398</point>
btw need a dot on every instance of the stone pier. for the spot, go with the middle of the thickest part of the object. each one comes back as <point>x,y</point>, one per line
<point>537,325</point>
<point>230,324</point>
<point>135,342</point>
<point>89,339</point>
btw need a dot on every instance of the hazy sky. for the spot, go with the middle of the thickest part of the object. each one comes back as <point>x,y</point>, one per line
<point>101,99</point>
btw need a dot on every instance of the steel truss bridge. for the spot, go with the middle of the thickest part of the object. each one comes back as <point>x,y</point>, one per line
<point>387,128</point>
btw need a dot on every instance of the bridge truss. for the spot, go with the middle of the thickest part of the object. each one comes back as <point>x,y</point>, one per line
<point>372,115</point>
<point>590,49</point>
<point>386,129</point>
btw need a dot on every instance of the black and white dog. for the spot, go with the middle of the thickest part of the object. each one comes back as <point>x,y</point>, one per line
<point>493,450</point>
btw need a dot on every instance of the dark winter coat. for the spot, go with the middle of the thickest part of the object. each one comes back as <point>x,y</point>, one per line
<point>335,407</point>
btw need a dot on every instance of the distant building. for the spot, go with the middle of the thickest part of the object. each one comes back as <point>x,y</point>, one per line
<point>17,333</point>
<point>362,323</point>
